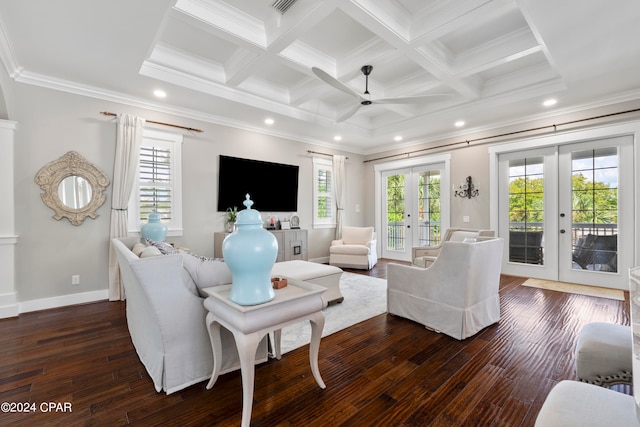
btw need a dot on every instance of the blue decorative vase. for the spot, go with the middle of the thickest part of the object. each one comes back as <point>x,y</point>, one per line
<point>154,229</point>
<point>250,253</point>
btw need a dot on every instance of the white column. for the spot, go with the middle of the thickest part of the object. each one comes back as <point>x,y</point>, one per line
<point>8,238</point>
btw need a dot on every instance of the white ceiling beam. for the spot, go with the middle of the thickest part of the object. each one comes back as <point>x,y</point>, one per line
<point>223,16</point>
<point>446,16</point>
<point>499,51</point>
<point>239,66</point>
<point>296,22</point>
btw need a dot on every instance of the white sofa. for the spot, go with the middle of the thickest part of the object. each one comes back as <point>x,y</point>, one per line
<point>166,314</point>
<point>457,295</point>
<point>356,249</point>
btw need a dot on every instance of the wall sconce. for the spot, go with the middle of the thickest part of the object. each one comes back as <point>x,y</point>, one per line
<point>467,189</point>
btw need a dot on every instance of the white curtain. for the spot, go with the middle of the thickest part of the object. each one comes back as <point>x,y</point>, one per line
<point>338,192</point>
<point>128,139</point>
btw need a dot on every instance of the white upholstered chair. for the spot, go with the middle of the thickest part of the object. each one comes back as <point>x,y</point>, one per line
<point>457,295</point>
<point>423,256</point>
<point>356,248</point>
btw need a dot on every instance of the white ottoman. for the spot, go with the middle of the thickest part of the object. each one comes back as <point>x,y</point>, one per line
<point>604,354</point>
<point>575,404</point>
<point>320,274</point>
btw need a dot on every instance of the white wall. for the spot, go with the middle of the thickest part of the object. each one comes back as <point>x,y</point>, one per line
<point>49,252</point>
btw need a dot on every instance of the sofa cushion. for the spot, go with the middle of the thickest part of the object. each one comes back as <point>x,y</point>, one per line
<point>206,272</point>
<point>350,250</point>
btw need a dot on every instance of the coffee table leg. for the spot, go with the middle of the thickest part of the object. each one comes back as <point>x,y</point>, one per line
<point>213,327</point>
<point>247,346</point>
<point>317,324</point>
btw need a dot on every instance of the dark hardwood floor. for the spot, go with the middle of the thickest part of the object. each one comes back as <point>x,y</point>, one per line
<point>386,371</point>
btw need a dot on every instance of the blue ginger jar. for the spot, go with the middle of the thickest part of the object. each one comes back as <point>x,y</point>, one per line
<point>250,253</point>
<point>154,229</point>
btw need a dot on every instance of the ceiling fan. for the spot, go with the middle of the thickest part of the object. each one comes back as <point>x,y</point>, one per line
<point>366,70</point>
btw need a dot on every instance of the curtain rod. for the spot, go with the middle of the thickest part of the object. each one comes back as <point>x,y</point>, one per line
<point>468,141</point>
<point>106,113</point>
<point>322,154</point>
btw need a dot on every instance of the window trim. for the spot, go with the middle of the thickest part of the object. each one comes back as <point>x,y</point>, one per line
<point>173,141</point>
<point>323,164</point>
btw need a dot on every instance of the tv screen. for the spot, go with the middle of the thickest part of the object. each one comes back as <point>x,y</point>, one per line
<point>273,187</point>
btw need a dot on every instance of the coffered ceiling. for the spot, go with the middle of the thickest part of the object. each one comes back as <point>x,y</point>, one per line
<point>238,62</point>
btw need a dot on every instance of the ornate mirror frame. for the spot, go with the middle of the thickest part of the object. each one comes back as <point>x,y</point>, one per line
<point>51,175</point>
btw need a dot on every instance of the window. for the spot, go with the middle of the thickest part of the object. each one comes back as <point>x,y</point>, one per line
<point>159,183</point>
<point>324,208</point>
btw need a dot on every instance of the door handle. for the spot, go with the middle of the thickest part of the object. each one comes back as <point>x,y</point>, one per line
<point>561,215</point>
<point>562,231</point>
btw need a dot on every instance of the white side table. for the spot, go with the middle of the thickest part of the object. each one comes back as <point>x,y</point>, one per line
<point>249,324</point>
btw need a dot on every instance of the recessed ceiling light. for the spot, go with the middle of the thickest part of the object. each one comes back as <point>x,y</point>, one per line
<point>459,123</point>
<point>549,102</point>
<point>160,93</point>
<point>337,138</point>
<point>269,121</point>
<point>397,138</point>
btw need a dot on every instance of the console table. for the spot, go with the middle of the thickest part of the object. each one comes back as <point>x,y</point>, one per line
<point>295,303</point>
<point>292,244</point>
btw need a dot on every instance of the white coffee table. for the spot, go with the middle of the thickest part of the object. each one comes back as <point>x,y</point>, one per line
<point>297,302</point>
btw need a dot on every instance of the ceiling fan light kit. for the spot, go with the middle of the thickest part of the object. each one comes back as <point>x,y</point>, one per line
<point>366,70</point>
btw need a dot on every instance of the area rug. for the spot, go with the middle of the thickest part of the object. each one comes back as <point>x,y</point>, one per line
<point>572,288</point>
<point>364,298</point>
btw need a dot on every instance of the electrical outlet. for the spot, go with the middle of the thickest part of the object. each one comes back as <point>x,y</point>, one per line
<point>75,279</point>
<point>466,219</point>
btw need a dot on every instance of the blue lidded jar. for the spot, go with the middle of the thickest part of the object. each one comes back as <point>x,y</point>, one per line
<point>250,252</point>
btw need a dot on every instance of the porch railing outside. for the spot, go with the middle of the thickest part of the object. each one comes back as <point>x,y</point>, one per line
<point>429,235</point>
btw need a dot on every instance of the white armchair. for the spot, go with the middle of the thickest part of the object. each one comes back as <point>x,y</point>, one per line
<point>424,256</point>
<point>356,249</point>
<point>457,295</point>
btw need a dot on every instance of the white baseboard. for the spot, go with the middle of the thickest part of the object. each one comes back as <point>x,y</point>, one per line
<point>323,260</point>
<point>62,301</point>
<point>9,311</point>
<point>8,305</point>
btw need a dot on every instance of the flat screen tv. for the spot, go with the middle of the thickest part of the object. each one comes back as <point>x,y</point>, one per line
<point>273,187</point>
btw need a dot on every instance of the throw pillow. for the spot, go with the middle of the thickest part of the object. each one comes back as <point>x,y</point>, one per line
<point>138,248</point>
<point>206,272</point>
<point>165,248</point>
<point>150,251</point>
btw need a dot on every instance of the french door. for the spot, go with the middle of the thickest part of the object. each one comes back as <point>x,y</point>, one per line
<point>412,209</point>
<point>566,212</point>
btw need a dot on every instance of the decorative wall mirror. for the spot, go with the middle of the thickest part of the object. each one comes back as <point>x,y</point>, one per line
<point>73,187</point>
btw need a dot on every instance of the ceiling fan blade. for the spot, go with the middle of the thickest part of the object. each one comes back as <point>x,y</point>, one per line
<point>348,114</point>
<point>420,99</point>
<point>325,77</point>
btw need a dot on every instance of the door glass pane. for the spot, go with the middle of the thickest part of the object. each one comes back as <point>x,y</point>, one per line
<point>526,210</point>
<point>429,208</point>
<point>594,216</point>
<point>395,212</point>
